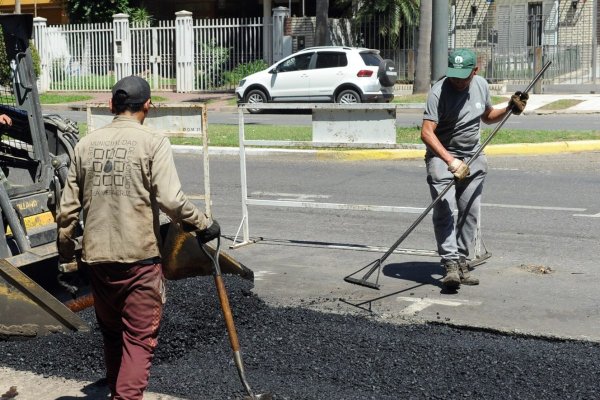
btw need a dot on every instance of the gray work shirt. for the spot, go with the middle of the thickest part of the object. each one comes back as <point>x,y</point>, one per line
<point>458,115</point>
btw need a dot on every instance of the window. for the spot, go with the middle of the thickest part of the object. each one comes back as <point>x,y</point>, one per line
<point>534,24</point>
<point>371,59</point>
<point>297,63</point>
<point>330,59</point>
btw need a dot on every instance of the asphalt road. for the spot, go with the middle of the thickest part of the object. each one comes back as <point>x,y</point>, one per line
<point>540,222</point>
<point>406,118</point>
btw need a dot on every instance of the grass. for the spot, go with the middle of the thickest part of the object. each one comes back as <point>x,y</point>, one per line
<point>56,98</point>
<point>227,135</point>
<point>560,104</point>
<point>422,98</point>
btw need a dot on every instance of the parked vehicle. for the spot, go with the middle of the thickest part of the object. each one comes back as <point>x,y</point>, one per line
<point>322,74</point>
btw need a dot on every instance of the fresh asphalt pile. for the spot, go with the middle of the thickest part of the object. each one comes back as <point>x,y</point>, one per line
<point>296,353</point>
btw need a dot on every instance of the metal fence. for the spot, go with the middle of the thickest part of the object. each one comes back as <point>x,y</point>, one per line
<point>78,57</point>
<point>511,39</point>
<point>153,54</point>
<point>83,57</point>
<point>220,46</point>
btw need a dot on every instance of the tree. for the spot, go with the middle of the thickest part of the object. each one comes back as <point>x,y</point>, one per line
<point>422,81</point>
<point>322,30</point>
<point>399,13</point>
<point>86,11</point>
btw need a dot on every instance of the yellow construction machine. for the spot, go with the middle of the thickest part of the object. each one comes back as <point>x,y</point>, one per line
<point>37,295</point>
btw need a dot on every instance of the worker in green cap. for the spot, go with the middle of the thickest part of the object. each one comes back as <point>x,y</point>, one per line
<point>456,106</point>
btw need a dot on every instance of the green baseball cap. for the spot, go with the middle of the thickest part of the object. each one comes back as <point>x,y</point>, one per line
<point>460,63</point>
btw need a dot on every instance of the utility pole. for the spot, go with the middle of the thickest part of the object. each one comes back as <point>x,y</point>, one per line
<point>439,40</point>
<point>17,6</point>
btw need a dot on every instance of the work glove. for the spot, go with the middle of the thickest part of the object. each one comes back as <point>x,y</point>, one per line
<point>459,169</point>
<point>210,233</point>
<point>517,102</point>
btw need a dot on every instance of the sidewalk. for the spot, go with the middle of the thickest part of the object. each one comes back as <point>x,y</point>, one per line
<point>589,103</point>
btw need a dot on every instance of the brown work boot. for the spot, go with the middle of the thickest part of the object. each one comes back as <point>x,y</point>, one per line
<point>465,274</point>
<point>452,278</point>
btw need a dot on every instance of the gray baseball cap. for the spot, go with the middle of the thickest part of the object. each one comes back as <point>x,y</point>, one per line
<point>131,90</point>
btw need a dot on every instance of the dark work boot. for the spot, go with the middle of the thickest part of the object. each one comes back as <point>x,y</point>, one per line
<point>452,278</point>
<point>465,274</point>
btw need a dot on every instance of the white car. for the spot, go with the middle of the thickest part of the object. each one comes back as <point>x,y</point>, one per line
<point>322,74</point>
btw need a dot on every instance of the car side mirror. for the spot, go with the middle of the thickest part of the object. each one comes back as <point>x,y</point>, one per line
<point>273,70</point>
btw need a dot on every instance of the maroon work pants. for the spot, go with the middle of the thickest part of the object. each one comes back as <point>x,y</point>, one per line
<point>128,299</point>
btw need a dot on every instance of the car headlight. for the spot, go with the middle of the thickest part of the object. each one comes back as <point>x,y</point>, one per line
<point>242,82</point>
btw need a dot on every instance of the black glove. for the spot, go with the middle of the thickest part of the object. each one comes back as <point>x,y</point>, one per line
<point>517,102</point>
<point>210,233</point>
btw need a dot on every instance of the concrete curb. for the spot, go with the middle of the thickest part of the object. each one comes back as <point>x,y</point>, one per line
<point>402,154</point>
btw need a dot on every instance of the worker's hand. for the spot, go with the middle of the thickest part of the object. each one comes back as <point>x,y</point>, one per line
<point>5,120</point>
<point>517,102</point>
<point>210,233</point>
<point>459,169</point>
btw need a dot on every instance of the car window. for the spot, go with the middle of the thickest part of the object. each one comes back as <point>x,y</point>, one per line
<point>371,59</point>
<point>296,63</point>
<point>331,59</point>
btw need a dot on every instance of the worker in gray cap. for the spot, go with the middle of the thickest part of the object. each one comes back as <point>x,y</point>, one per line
<point>120,177</point>
<point>456,106</point>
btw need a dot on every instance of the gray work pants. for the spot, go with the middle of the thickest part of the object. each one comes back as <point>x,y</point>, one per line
<point>455,239</point>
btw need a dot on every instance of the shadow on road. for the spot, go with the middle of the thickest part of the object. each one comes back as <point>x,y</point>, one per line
<point>94,391</point>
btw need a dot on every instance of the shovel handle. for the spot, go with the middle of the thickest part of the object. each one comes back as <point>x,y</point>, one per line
<point>227,315</point>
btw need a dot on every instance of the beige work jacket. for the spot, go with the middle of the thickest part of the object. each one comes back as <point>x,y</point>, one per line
<point>120,177</point>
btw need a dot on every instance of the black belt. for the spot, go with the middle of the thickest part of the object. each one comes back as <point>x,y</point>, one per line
<point>149,261</point>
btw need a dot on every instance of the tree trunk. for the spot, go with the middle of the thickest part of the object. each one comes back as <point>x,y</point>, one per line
<point>322,31</point>
<point>422,82</point>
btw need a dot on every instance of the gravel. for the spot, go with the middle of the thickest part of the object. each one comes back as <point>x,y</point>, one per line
<point>295,353</point>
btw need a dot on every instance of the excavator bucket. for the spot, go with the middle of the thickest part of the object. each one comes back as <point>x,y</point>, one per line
<point>27,309</point>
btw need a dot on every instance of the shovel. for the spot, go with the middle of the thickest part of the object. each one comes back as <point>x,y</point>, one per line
<point>233,338</point>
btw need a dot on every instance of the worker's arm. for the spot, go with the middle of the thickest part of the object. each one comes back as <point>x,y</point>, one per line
<point>67,217</point>
<point>169,195</point>
<point>430,139</point>
<point>517,104</point>
<point>459,168</point>
<point>492,115</point>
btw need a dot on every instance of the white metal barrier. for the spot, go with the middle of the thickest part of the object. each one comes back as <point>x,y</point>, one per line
<point>171,119</point>
<point>334,125</point>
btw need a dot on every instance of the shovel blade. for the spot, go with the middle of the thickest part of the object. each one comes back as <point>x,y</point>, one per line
<point>183,258</point>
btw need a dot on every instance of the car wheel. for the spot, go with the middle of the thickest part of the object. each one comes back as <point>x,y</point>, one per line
<point>348,96</point>
<point>253,97</point>
<point>388,73</point>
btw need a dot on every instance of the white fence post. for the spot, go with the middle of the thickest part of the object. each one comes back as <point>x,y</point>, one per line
<point>41,44</point>
<point>184,50</point>
<point>122,45</point>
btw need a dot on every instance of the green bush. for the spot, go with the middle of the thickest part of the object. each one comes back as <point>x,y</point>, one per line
<point>212,60</point>
<point>234,76</point>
